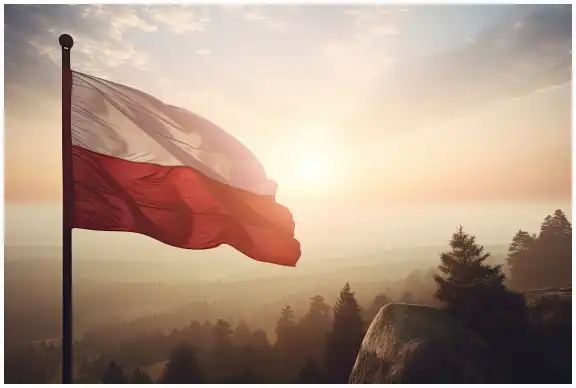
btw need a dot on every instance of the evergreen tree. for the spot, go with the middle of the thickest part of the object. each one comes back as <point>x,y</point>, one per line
<point>242,334</point>
<point>260,340</point>
<point>183,367</point>
<point>521,255</point>
<point>140,377</point>
<point>222,363</point>
<point>343,342</point>
<point>474,293</point>
<point>206,334</point>
<point>544,261</point>
<point>414,281</point>
<point>262,357</point>
<point>555,225</point>
<point>288,345</point>
<point>285,321</point>
<point>318,308</point>
<point>313,329</point>
<point>114,374</point>
<point>379,301</point>
<point>564,227</point>
<point>222,335</point>
<point>309,374</point>
<point>522,242</point>
<point>555,251</point>
<point>246,377</point>
<point>469,288</point>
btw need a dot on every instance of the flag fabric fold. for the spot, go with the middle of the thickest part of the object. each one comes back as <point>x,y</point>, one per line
<point>143,166</point>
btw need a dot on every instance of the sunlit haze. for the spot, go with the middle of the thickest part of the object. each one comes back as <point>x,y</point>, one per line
<point>423,151</point>
<point>377,122</point>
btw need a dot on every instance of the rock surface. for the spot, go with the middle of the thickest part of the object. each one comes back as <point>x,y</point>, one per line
<point>413,344</point>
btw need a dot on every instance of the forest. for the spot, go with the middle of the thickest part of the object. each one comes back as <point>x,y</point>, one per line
<point>530,335</point>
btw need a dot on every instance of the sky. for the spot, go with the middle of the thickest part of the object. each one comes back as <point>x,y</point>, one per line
<point>375,120</point>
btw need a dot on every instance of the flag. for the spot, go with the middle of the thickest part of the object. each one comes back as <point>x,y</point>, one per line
<point>143,166</point>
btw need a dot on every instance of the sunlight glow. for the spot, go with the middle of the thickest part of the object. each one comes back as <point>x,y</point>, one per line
<point>314,170</point>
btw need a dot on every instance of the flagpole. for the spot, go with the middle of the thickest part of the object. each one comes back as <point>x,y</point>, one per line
<point>66,42</point>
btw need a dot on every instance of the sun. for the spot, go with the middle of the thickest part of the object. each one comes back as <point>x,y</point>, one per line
<point>314,171</point>
<point>310,165</point>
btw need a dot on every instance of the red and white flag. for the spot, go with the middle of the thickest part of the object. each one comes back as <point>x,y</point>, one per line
<point>143,166</point>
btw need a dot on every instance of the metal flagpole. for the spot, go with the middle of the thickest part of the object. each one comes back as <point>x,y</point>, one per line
<point>67,42</point>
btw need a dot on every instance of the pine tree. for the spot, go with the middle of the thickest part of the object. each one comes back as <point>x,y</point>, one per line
<point>285,328</point>
<point>183,367</point>
<point>379,301</point>
<point>287,345</point>
<point>262,357</point>
<point>521,242</point>
<point>474,293</point>
<point>562,224</point>
<point>318,307</point>
<point>313,329</point>
<point>222,363</point>
<point>544,261</point>
<point>521,259</point>
<point>555,225</point>
<point>555,251</point>
<point>343,342</point>
<point>286,319</point>
<point>140,377</point>
<point>260,340</point>
<point>114,374</point>
<point>465,274</point>
<point>309,374</point>
<point>242,334</point>
<point>222,335</point>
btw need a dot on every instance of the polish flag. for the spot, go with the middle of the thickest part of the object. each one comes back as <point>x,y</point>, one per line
<point>146,167</point>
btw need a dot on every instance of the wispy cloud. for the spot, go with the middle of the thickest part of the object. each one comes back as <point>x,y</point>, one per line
<point>360,60</point>
<point>230,7</point>
<point>256,15</point>
<point>180,19</point>
<point>203,52</point>
<point>375,21</point>
<point>118,19</point>
<point>102,31</point>
<point>507,61</point>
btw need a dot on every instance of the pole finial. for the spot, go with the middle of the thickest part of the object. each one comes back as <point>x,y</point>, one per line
<point>66,41</point>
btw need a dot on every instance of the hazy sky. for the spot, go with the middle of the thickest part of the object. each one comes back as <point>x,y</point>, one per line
<point>356,112</point>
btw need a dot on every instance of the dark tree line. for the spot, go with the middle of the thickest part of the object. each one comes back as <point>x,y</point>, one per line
<point>319,348</point>
<point>475,294</point>
<point>543,260</point>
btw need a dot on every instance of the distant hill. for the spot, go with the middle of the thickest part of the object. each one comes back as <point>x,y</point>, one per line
<point>127,289</point>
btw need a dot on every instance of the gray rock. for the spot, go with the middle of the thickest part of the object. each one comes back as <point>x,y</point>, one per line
<point>413,344</point>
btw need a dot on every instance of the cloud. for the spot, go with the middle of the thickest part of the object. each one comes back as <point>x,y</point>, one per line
<point>231,7</point>
<point>180,19</point>
<point>361,60</point>
<point>255,15</point>
<point>99,30</point>
<point>203,52</point>
<point>506,61</point>
<point>118,19</point>
<point>375,21</point>
<point>379,30</point>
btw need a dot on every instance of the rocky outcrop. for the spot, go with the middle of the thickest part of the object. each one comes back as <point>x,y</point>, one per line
<point>413,344</point>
